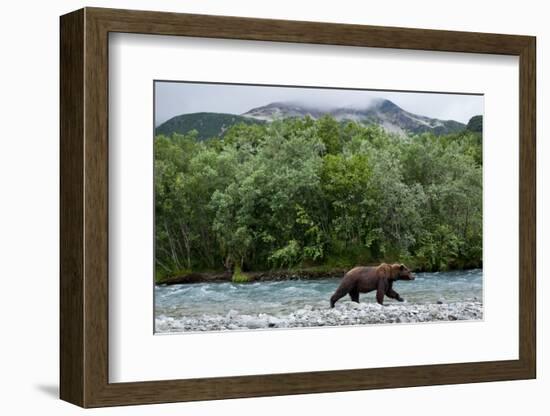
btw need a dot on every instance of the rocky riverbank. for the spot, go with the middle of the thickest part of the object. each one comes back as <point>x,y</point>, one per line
<point>345,313</point>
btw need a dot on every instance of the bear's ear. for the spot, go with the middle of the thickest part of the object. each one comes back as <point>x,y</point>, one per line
<point>401,267</point>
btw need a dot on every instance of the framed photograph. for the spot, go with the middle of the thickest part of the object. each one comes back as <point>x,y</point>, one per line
<point>255,207</point>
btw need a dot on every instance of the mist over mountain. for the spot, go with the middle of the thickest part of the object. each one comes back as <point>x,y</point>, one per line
<point>380,112</point>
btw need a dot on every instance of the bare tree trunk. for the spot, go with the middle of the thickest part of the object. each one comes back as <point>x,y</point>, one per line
<point>163,265</point>
<point>172,248</point>
<point>186,242</point>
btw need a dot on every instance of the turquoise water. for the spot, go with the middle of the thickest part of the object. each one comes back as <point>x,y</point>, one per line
<point>282,297</point>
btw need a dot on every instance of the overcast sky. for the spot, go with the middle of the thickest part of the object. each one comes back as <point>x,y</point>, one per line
<point>175,98</point>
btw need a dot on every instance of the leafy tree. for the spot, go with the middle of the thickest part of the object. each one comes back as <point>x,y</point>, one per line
<point>302,192</point>
<point>328,130</point>
<point>475,124</point>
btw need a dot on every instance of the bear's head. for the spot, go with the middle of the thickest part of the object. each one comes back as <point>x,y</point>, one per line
<point>401,272</point>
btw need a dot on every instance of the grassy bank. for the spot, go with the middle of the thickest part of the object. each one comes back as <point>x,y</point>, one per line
<point>307,273</point>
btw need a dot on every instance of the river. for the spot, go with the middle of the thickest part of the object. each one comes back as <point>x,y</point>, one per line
<point>301,303</point>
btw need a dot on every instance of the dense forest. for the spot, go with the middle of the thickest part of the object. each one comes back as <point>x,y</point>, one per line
<point>302,193</point>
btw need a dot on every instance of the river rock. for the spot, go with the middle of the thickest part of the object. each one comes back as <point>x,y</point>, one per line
<point>232,314</point>
<point>317,315</point>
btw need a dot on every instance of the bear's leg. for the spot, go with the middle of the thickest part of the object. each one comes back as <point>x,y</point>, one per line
<point>354,294</point>
<point>340,293</point>
<point>380,291</point>
<point>394,295</point>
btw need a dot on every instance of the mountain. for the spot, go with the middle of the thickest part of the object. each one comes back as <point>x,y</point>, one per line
<point>280,110</point>
<point>206,124</point>
<point>381,112</point>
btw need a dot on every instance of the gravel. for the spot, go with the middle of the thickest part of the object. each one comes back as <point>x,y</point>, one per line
<point>345,313</point>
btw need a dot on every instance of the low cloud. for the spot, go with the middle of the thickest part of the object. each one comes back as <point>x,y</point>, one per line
<point>175,98</point>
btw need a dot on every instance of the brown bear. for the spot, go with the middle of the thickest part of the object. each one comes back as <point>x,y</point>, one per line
<point>366,279</point>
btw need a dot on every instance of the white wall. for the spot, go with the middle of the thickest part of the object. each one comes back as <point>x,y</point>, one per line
<point>29,206</point>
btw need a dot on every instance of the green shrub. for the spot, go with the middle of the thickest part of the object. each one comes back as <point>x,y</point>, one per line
<point>239,276</point>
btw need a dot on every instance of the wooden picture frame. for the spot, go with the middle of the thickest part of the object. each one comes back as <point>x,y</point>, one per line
<point>84,207</point>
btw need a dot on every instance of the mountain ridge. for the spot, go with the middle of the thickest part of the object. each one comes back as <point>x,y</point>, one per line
<point>382,112</point>
<point>207,125</point>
